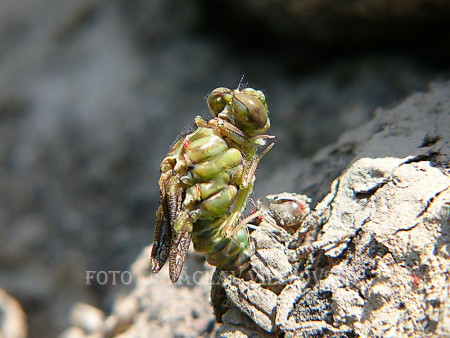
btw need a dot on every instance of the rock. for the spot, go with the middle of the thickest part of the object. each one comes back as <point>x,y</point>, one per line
<point>415,128</point>
<point>371,259</point>
<point>155,307</point>
<point>271,265</point>
<point>87,317</point>
<point>254,300</point>
<point>92,94</point>
<point>13,322</point>
<point>374,258</point>
<point>242,326</point>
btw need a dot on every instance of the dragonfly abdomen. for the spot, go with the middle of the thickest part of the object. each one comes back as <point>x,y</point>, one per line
<point>213,167</point>
<point>227,253</point>
<point>206,180</point>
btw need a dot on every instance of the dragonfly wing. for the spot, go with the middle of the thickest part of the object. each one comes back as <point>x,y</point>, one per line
<point>181,231</point>
<point>174,225</point>
<point>163,230</point>
<point>178,255</point>
<point>161,244</point>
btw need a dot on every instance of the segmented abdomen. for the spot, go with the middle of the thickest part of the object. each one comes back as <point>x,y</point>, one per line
<point>229,254</point>
<point>215,175</point>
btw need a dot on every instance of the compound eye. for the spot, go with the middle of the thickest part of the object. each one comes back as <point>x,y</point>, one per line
<point>251,114</point>
<point>217,100</point>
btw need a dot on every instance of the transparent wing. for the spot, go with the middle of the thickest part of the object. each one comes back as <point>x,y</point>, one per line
<point>170,242</point>
<point>181,236</point>
<point>163,231</point>
<point>178,251</point>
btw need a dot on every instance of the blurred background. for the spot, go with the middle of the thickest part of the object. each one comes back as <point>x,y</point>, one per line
<point>93,93</point>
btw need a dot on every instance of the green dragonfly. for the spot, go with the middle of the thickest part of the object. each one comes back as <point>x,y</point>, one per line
<point>206,180</point>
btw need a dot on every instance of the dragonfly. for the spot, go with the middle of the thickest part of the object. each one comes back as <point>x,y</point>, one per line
<point>206,181</point>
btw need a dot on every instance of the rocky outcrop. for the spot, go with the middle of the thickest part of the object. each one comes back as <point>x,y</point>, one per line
<point>374,254</point>
<point>371,259</point>
<point>92,94</point>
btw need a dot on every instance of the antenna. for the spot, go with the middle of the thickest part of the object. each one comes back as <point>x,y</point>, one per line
<point>240,82</point>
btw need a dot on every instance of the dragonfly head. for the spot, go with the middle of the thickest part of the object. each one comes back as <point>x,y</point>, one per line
<point>246,109</point>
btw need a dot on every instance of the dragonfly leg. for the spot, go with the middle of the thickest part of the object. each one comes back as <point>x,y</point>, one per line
<point>248,173</point>
<point>233,225</point>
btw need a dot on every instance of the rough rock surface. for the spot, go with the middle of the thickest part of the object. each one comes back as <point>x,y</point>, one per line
<point>372,259</point>
<point>154,307</point>
<point>92,94</point>
<point>375,257</point>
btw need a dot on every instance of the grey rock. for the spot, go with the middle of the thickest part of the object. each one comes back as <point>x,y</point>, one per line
<point>376,260</point>
<point>270,265</point>
<point>92,94</point>
<point>87,317</point>
<point>255,301</point>
<point>153,307</point>
<point>371,259</point>
<point>13,322</point>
